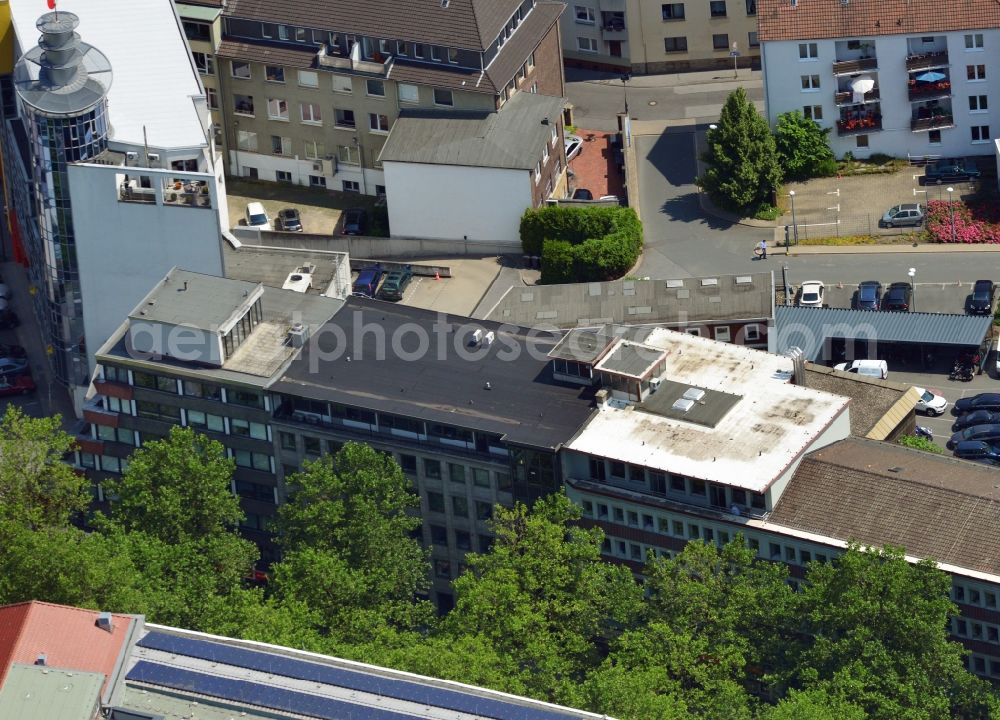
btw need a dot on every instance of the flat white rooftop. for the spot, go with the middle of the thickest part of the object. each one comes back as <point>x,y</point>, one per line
<point>749,444</point>
<point>154,82</point>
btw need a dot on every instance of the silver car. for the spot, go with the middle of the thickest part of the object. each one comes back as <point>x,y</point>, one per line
<point>907,214</point>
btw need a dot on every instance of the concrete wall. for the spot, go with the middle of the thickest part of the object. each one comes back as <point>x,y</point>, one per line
<point>376,248</point>
<point>125,248</point>
<point>783,71</point>
<point>451,202</point>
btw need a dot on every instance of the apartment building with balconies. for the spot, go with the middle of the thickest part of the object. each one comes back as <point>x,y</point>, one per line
<point>309,97</point>
<point>906,80</point>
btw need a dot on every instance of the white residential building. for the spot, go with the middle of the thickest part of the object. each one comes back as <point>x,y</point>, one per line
<point>904,80</point>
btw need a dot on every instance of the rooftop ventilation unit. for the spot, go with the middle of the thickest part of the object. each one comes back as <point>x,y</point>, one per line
<point>297,335</point>
<point>693,394</point>
<point>488,338</point>
<point>41,659</point>
<point>682,404</point>
<point>477,336</point>
<point>105,622</point>
<point>300,280</point>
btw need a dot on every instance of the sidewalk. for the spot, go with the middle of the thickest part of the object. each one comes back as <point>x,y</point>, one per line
<point>778,248</point>
<point>700,77</point>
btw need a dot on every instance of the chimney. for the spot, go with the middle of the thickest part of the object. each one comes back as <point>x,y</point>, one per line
<point>105,622</point>
<point>41,659</point>
<point>601,396</point>
<point>798,365</point>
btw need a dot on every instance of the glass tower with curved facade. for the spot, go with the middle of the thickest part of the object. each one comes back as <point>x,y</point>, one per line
<point>62,84</point>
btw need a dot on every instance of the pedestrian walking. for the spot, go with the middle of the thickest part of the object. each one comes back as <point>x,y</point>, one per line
<point>763,249</point>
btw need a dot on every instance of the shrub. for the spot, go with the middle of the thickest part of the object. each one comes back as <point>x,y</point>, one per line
<point>827,168</point>
<point>802,146</point>
<point>879,158</point>
<point>920,443</point>
<point>582,244</point>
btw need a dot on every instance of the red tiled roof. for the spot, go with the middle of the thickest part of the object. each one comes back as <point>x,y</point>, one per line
<point>819,19</point>
<point>68,636</point>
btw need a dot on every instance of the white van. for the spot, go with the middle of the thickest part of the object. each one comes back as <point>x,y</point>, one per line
<point>256,216</point>
<point>868,368</point>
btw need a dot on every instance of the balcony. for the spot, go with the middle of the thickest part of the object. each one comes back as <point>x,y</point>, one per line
<point>332,58</point>
<point>918,90</point>
<point>859,123</point>
<point>927,61</point>
<point>847,98</point>
<point>852,67</point>
<point>936,122</point>
<point>614,32</point>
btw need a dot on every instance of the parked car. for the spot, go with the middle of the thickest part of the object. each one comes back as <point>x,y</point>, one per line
<point>12,351</point>
<point>976,432</point>
<point>930,403</point>
<point>977,451</point>
<point>582,194</point>
<point>950,170</point>
<point>897,298</point>
<point>812,294</point>
<point>4,291</point>
<point>366,284</point>
<point>981,300</point>
<point>907,214</point>
<point>982,401</point>
<point>355,221</point>
<point>395,284</point>
<point>976,417</point>
<point>573,145</point>
<point>288,220</point>
<point>869,296</point>
<point>17,385</point>
<point>13,366</point>
<point>868,368</point>
<point>8,318</point>
<point>256,216</point>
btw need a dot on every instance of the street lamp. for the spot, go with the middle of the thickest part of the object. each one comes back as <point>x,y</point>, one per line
<point>625,78</point>
<point>951,210</point>
<point>912,272</point>
<point>795,225</point>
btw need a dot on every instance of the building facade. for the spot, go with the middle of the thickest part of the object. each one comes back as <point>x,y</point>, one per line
<point>914,86</point>
<point>310,98</point>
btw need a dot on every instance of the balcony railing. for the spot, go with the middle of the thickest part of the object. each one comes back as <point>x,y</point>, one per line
<point>926,61</point>
<point>847,98</point>
<point>859,126</point>
<point>848,67</point>
<point>926,91</point>
<point>932,123</point>
<point>353,61</point>
<point>614,31</point>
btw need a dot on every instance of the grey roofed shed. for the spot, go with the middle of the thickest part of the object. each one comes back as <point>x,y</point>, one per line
<point>808,328</point>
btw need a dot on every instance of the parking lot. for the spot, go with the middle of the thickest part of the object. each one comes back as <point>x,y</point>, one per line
<point>949,298</point>
<point>319,210</point>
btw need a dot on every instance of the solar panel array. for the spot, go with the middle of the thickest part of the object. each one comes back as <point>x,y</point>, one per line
<point>251,693</point>
<point>409,691</point>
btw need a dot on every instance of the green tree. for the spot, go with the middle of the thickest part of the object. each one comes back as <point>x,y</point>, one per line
<point>802,146</point>
<point>176,489</point>
<point>544,598</point>
<point>743,172</point>
<point>348,550</point>
<point>812,705</point>
<point>37,487</point>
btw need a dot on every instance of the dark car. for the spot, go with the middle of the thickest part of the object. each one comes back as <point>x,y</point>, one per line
<point>366,284</point>
<point>977,451</point>
<point>12,351</point>
<point>355,221</point>
<point>982,401</point>
<point>869,296</point>
<point>289,220</point>
<point>897,297</point>
<point>976,432</point>
<point>981,300</point>
<point>976,417</point>
<point>950,170</point>
<point>8,319</point>
<point>583,194</point>
<point>395,284</point>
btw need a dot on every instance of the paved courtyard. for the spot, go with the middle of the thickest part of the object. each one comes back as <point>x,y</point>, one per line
<point>319,209</point>
<point>596,167</point>
<point>948,298</point>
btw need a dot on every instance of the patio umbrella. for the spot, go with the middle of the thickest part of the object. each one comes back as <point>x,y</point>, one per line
<point>860,85</point>
<point>931,76</point>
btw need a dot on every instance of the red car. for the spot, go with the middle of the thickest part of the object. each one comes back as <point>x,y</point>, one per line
<point>20,385</point>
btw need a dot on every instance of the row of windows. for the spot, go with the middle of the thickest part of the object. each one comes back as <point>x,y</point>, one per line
<point>971,595</point>
<point>460,539</point>
<point>717,9</point>
<point>974,630</point>
<point>105,463</point>
<point>459,506</point>
<point>191,388</point>
<point>982,665</point>
<point>810,50</point>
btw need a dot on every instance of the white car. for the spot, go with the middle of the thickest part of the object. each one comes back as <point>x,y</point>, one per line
<point>869,368</point>
<point>256,216</point>
<point>930,403</point>
<point>573,145</point>
<point>812,294</point>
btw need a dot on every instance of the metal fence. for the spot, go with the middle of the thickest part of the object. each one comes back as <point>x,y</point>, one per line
<point>844,225</point>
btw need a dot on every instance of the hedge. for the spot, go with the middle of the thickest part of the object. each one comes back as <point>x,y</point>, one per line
<point>582,244</point>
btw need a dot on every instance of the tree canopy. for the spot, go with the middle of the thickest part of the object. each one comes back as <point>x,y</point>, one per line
<point>802,147</point>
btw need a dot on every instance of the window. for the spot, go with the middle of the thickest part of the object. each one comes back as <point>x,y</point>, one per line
<point>673,11</point>
<point>155,382</point>
<point>418,51</point>
<point>287,441</point>
<point>619,514</point>
<point>253,460</point>
<point>246,140</point>
<point>722,333</point>
<point>456,473</point>
<point>408,93</point>
<point>248,170</point>
<point>435,502</point>
<point>196,30</point>
<point>459,506</point>
<point>432,469</point>
<point>484,511</point>
<point>314,149</point>
<point>752,10</point>
<point>980,133</point>
<point>480,477</point>
<point>375,88</point>
<point>118,405</point>
<point>693,531</point>
<point>308,79</point>
<point>677,485</point>
<point>255,491</point>
<point>378,123</point>
<point>283,33</point>
<point>344,118</point>
<point>862,141</point>
<point>675,44</point>
<point>275,74</point>
<point>241,70</point>
<point>207,421</point>
<point>752,40</point>
<point>281,146</point>
<point>584,14</point>
<point>717,8</point>
<point>243,104</point>
<point>120,435</point>
<point>443,97</point>
<point>720,41</point>
<point>408,463</point>
<point>617,469</point>
<point>247,398</point>
<point>678,528</point>
<point>697,487</point>
<point>813,112</point>
<point>978,103</point>
<point>453,56</point>
<point>633,518</point>
<point>657,482</point>
<point>585,44</point>
<point>350,186</point>
<point>437,55</point>
<point>246,428</point>
<point>277,109</point>
<point>485,543</point>
<point>752,332</point>
<point>317,181</point>
<point>974,42</point>
<point>300,35</point>
<point>810,83</point>
<point>934,137</point>
<point>204,63</point>
<point>808,51</point>
<point>213,98</point>
<point>310,113</point>
<point>463,540</point>
<point>975,72</point>
<point>439,535</point>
